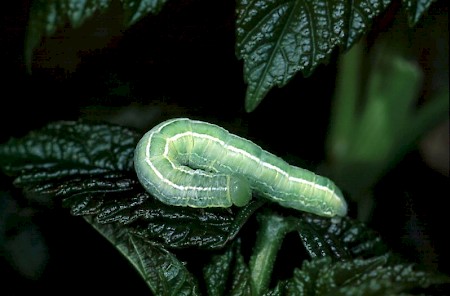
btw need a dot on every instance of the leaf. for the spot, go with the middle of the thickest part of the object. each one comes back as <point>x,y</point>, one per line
<point>337,239</point>
<point>225,268</point>
<point>216,273</point>
<point>173,227</point>
<point>374,276</point>
<point>70,148</point>
<point>277,39</point>
<point>342,239</point>
<point>188,227</point>
<point>241,285</point>
<point>46,17</point>
<point>358,274</point>
<point>162,271</point>
<point>135,10</point>
<point>89,167</point>
<point>415,9</point>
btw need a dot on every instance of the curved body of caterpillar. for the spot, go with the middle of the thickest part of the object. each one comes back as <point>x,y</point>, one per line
<point>192,163</point>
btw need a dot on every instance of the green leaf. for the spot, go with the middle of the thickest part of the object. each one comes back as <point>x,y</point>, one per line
<point>216,273</point>
<point>173,227</point>
<point>277,39</point>
<point>241,285</point>
<point>374,276</point>
<point>360,273</point>
<point>415,9</point>
<point>339,239</point>
<point>64,149</point>
<point>89,167</point>
<point>134,10</point>
<point>162,271</point>
<point>228,268</point>
<point>46,17</point>
<point>279,290</point>
<point>187,227</point>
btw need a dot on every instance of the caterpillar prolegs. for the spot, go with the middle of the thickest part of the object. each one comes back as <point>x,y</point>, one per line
<point>185,162</point>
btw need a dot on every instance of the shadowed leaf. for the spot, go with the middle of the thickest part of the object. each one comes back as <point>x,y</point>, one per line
<point>277,39</point>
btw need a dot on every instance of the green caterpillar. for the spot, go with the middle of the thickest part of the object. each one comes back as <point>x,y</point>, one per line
<point>185,162</point>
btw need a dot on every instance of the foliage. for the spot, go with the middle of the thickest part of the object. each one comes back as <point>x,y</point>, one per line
<point>87,167</point>
<point>276,39</point>
<point>344,256</point>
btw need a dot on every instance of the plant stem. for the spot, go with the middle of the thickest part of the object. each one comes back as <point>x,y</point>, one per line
<point>347,94</point>
<point>272,231</point>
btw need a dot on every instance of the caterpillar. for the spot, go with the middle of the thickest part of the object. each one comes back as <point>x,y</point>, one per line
<point>185,162</point>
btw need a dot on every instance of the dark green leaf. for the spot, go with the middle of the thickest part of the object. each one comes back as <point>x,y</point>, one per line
<point>89,168</point>
<point>340,239</point>
<point>162,271</point>
<point>415,9</point>
<point>187,227</point>
<point>374,276</point>
<point>64,149</point>
<point>225,269</point>
<point>279,290</point>
<point>241,285</point>
<point>48,16</point>
<point>216,273</point>
<point>277,39</point>
<point>174,227</point>
<point>136,9</point>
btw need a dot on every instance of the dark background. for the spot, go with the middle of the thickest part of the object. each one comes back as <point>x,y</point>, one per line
<point>181,62</point>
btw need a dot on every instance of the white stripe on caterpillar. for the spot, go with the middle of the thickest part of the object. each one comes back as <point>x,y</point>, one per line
<point>185,162</point>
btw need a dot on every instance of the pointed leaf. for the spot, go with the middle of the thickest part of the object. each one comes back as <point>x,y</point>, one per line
<point>342,239</point>
<point>174,227</point>
<point>162,271</point>
<point>374,276</point>
<point>217,271</point>
<point>279,290</point>
<point>241,285</point>
<point>48,16</point>
<point>415,9</point>
<point>187,227</point>
<point>89,167</point>
<point>64,149</point>
<point>228,268</point>
<point>277,39</point>
<point>136,9</point>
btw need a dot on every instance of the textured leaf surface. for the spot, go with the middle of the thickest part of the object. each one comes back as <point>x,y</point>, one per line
<point>162,271</point>
<point>106,193</point>
<point>277,39</point>
<point>228,274</point>
<point>136,9</point>
<point>174,227</point>
<point>241,285</point>
<point>358,274</point>
<point>89,167</point>
<point>342,239</point>
<point>216,273</point>
<point>374,276</point>
<point>68,148</point>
